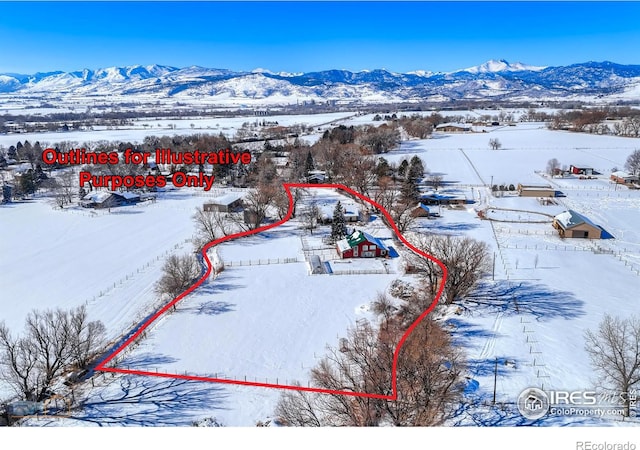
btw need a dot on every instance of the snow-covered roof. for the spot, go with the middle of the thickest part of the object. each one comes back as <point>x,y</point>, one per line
<point>128,195</point>
<point>350,210</point>
<point>101,196</point>
<point>622,174</point>
<point>343,245</point>
<point>226,199</point>
<point>535,186</point>
<point>570,219</point>
<point>358,237</point>
<point>97,197</point>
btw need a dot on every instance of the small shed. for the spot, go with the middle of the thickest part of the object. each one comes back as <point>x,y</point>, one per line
<point>224,203</point>
<point>361,245</point>
<point>571,224</point>
<point>536,190</point>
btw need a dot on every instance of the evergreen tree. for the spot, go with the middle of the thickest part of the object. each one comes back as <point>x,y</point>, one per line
<point>382,168</point>
<point>7,192</point>
<point>309,164</point>
<point>27,182</point>
<point>338,226</point>
<point>416,168</point>
<point>409,191</point>
<point>402,169</point>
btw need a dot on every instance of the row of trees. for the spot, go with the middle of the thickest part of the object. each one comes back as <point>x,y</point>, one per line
<point>429,378</point>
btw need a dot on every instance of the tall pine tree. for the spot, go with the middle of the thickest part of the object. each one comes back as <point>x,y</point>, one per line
<point>338,226</point>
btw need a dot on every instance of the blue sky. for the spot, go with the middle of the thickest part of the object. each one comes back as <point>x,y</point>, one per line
<point>308,36</point>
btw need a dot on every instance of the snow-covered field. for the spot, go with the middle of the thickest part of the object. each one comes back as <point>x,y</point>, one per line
<point>272,321</point>
<point>142,128</point>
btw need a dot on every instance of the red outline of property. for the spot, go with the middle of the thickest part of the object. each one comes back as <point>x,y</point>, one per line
<point>287,187</point>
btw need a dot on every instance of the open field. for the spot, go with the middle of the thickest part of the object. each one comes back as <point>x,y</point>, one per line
<point>273,321</point>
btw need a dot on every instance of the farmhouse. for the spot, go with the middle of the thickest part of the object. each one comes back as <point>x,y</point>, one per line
<point>571,224</point>
<point>108,199</point>
<point>316,176</point>
<point>625,178</point>
<point>225,203</point>
<point>351,212</point>
<point>533,190</point>
<point>361,245</point>
<point>453,128</point>
<point>581,170</point>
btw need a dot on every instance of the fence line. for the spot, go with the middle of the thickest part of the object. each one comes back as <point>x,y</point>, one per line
<point>360,272</point>
<point>261,262</point>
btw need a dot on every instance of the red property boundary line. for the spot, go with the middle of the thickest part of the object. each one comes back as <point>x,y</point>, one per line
<point>287,186</point>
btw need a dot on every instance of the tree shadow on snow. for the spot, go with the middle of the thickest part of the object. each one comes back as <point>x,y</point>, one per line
<point>146,360</point>
<point>514,297</point>
<point>450,228</point>
<point>210,308</point>
<point>133,400</point>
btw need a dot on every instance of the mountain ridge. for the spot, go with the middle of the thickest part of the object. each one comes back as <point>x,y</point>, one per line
<point>494,79</point>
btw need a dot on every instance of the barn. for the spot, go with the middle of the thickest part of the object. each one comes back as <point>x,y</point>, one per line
<point>571,224</point>
<point>225,203</point>
<point>581,170</point>
<point>361,245</point>
<point>108,199</point>
<point>453,128</point>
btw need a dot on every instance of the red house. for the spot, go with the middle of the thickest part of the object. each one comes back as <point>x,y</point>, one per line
<point>361,245</point>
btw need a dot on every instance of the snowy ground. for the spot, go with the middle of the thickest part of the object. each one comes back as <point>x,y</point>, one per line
<point>273,320</point>
<point>143,128</point>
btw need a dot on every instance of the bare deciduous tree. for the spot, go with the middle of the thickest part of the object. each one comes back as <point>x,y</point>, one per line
<point>614,351</point>
<point>179,272</point>
<point>552,166</point>
<point>428,380</point>
<point>211,225</point>
<point>435,181</point>
<point>311,217</point>
<point>633,162</point>
<point>466,260</point>
<point>86,337</point>
<point>495,144</point>
<point>53,342</point>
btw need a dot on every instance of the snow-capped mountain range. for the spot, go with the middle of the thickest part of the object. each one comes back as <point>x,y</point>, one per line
<point>497,80</point>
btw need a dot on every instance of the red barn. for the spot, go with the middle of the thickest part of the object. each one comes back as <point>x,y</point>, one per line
<point>361,245</point>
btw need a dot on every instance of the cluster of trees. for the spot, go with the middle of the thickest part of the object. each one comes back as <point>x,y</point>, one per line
<point>429,377</point>
<point>622,121</point>
<point>53,343</point>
